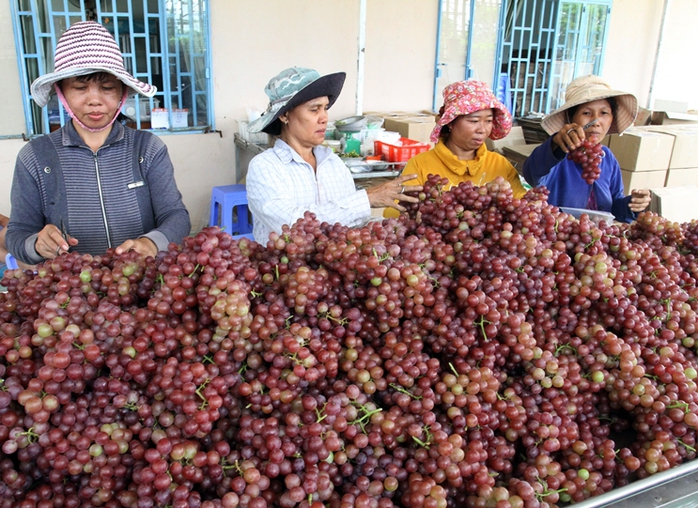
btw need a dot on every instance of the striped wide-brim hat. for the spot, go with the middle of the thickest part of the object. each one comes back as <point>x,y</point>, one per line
<point>85,48</point>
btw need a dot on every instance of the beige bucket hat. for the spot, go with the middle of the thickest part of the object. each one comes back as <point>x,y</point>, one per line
<point>588,89</point>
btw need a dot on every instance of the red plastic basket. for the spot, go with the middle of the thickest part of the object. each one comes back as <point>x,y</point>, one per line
<point>407,149</point>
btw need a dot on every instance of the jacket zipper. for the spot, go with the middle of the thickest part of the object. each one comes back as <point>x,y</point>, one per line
<point>101,200</point>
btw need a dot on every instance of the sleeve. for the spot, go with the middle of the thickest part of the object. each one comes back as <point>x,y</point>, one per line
<point>515,180</point>
<point>172,222</point>
<point>541,161</point>
<point>27,216</point>
<point>413,167</point>
<point>271,200</point>
<point>621,202</point>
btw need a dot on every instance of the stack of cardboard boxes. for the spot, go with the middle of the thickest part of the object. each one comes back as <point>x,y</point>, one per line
<point>663,158</point>
<point>416,126</point>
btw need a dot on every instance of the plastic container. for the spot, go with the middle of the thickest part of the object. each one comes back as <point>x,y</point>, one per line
<point>334,144</point>
<point>595,215</point>
<point>402,151</point>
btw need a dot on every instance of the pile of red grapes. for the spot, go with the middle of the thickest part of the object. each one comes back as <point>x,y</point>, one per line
<point>482,351</point>
<point>589,156</point>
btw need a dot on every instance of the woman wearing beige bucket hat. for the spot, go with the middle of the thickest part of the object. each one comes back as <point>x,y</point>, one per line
<point>94,184</point>
<point>591,110</point>
<point>299,174</point>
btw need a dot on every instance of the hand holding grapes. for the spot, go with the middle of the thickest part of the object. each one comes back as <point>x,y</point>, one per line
<point>571,136</point>
<point>51,244</point>
<point>387,193</point>
<point>640,200</point>
<point>143,245</point>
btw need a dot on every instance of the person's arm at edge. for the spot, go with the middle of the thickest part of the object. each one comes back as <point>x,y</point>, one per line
<point>26,217</point>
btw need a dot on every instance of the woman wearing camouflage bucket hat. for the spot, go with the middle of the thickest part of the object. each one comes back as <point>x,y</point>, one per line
<point>299,174</point>
<point>109,186</point>
<point>470,114</point>
<point>591,110</point>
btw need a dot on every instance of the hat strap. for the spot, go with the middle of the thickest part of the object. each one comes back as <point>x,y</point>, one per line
<point>64,102</point>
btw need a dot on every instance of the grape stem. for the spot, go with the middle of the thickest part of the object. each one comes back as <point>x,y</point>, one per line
<point>427,442</point>
<point>204,402</point>
<point>453,369</point>
<point>688,447</point>
<point>402,390</point>
<point>32,436</point>
<point>194,270</point>
<point>481,323</point>
<point>680,405</point>
<point>361,421</point>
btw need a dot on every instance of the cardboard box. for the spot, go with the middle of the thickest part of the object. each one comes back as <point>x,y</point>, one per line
<point>680,177</point>
<point>677,204</point>
<point>685,151</point>
<point>517,154</point>
<point>644,116</point>
<point>411,127</point>
<point>672,118</point>
<point>515,137</point>
<point>643,179</point>
<point>642,150</point>
<point>670,105</point>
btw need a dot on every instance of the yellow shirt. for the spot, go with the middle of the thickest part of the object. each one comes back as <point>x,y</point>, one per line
<point>485,167</point>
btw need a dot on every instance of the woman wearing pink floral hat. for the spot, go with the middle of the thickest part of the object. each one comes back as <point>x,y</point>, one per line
<point>470,114</point>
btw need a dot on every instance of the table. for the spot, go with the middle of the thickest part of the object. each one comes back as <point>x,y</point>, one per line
<point>245,151</point>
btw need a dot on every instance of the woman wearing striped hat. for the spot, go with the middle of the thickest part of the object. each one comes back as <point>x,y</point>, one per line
<point>94,184</point>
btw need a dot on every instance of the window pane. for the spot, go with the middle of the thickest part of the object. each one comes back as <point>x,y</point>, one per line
<point>29,35</point>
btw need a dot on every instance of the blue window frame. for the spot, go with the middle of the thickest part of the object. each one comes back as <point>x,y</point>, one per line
<point>544,45</point>
<point>163,42</point>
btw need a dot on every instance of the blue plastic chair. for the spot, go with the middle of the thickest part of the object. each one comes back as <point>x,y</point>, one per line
<point>11,262</point>
<point>229,210</point>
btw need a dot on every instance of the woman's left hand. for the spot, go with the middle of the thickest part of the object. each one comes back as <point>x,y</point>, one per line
<point>385,195</point>
<point>143,245</point>
<point>641,199</point>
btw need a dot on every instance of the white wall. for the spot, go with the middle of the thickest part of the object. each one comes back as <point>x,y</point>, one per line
<point>632,47</point>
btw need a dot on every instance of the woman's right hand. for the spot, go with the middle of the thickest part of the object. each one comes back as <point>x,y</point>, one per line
<point>51,244</point>
<point>568,138</point>
<point>385,195</point>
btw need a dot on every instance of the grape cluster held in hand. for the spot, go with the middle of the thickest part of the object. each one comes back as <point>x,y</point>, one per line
<point>589,156</point>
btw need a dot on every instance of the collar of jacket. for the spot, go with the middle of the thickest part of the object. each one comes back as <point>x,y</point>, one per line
<point>459,167</point>
<point>70,136</point>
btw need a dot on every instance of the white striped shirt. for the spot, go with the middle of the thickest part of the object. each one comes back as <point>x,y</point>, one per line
<point>281,187</point>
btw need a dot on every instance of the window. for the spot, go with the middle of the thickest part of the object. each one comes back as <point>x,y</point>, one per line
<point>466,42</point>
<point>545,44</point>
<point>163,42</point>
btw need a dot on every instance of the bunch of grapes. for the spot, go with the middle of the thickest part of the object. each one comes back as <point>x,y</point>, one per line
<point>484,351</point>
<point>589,156</point>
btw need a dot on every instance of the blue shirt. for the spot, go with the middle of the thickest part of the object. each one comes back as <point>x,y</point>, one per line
<point>563,178</point>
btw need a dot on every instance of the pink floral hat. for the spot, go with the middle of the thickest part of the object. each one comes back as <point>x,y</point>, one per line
<point>465,97</point>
